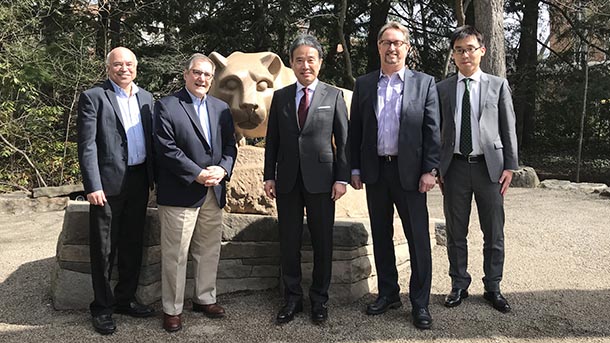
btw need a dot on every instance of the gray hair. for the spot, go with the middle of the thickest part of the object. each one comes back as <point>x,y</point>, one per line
<point>394,25</point>
<point>188,64</point>
<point>308,40</point>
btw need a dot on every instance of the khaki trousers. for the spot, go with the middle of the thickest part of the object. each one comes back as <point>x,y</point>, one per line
<point>201,229</point>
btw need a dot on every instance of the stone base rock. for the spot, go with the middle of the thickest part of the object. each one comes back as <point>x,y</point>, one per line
<point>525,177</point>
<point>249,258</point>
<point>59,191</point>
<point>583,187</point>
<point>21,202</point>
<point>245,193</point>
<point>440,231</point>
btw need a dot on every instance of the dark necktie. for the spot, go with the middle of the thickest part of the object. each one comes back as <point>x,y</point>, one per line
<point>303,108</point>
<point>466,130</point>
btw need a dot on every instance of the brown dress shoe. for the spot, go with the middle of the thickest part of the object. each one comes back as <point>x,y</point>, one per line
<point>172,323</point>
<point>211,310</point>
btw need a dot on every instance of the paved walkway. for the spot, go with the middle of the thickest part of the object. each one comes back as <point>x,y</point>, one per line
<point>557,279</point>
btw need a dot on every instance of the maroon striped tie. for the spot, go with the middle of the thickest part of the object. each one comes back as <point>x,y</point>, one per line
<point>303,108</point>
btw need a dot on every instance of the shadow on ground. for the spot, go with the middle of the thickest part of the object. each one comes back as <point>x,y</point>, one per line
<point>26,315</point>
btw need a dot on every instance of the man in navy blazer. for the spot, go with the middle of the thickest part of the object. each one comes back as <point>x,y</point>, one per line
<point>395,147</point>
<point>478,155</point>
<point>114,128</point>
<point>304,170</point>
<point>196,151</point>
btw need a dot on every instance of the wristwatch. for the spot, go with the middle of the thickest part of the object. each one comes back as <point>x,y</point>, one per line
<point>434,172</point>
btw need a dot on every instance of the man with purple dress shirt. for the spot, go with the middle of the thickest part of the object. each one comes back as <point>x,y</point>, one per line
<point>395,147</point>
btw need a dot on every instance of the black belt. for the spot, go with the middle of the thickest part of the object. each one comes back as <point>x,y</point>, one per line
<point>136,166</point>
<point>470,158</point>
<point>388,158</point>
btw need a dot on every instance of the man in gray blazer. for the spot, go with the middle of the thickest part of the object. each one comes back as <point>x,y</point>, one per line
<point>114,129</point>
<point>395,146</point>
<point>478,154</point>
<point>196,151</point>
<point>304,170</point>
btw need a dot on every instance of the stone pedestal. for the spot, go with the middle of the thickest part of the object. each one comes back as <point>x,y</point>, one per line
<point>249,258</point>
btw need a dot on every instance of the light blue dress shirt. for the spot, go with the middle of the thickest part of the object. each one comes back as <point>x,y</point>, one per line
<point>132,122</point>
<point>201,107</point>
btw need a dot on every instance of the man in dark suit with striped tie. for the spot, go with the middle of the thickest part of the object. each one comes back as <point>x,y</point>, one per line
<point>304,170</point>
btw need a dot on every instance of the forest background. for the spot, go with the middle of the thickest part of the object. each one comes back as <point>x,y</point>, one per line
<point>554,53</point>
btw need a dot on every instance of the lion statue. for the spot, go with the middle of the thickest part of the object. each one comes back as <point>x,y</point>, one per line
<point>246,81</point>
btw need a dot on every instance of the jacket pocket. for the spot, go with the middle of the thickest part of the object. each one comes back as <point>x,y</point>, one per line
<point>326,157</point>
<point>498,144</point>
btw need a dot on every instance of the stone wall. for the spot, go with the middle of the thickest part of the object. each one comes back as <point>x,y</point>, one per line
<point>249,258</point>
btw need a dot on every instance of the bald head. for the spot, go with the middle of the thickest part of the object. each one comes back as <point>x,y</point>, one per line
<point>121,66</point>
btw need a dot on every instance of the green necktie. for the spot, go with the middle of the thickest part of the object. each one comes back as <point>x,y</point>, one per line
<point>466,130</point>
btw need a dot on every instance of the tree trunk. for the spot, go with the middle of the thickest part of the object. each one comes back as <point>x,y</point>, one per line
<point>525,81</point>
<point>115,24</point>
<point>379,16</point>
<point>349,76</point>
<point>101,48</point>
<point>490,21</point>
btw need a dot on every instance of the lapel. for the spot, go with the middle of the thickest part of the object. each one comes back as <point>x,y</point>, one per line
<point>318,95</point>
<point>187,104</point>
<point>452,94</point>
<point>484,92</point>
<point>213,117</point>
<point>408,83</point>
<point>145,119</point>
<point>290,108</point>
<point>452,81</point>
<point>369,96</point>
<point>111,95</point>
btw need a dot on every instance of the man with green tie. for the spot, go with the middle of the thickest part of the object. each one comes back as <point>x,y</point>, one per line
<point>478,155</point>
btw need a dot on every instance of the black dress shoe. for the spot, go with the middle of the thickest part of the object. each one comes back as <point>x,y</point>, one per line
<point>382,304</point>
<point>497,301</point>
<point>135,309</point>
<point>455,297</point>
<point>319,312</point>
<point>104,324</point>
<point>287,312</point>
<point>422,318</point>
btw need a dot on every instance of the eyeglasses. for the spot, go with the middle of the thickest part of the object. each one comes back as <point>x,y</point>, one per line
<point>469,50</point>
<point>204,74</point>
<point>388,43</point>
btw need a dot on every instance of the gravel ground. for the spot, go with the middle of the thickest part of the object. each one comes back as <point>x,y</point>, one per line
<point>557,279</point>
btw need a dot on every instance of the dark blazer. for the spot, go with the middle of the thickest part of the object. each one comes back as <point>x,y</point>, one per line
<point>496,124</point>
<point>102,141</point>
<point>419,133</point>
<point>182,151</point>
<point>288,149</point>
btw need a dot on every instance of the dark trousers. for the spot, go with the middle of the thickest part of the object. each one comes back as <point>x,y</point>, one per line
<point>116,230</point>
<point>461,181</point>
<point>320,220</point>
<point>381,197</point>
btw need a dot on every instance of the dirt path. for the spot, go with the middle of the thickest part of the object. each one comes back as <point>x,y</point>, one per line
<point>557,279</point>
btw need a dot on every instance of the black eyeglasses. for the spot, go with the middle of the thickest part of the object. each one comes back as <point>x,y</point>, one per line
<point>469,50</point>
<point>388,43</point>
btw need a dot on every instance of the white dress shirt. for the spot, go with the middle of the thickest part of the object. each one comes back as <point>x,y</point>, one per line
<point>475,99</point>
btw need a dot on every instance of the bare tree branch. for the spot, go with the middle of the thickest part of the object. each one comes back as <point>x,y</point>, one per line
<point>580,35</point>
<point>22,153</point>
